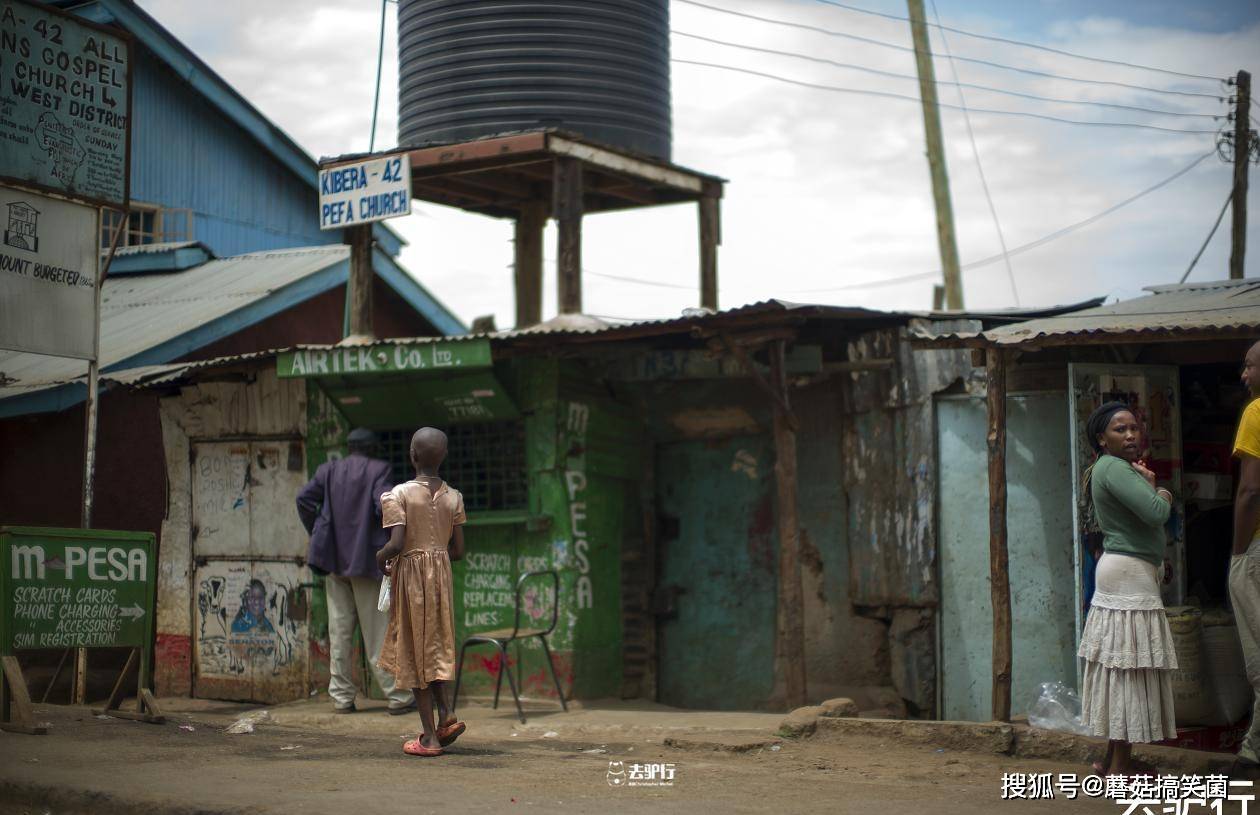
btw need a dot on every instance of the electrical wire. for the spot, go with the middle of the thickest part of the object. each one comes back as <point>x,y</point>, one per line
<point>1022,43</point>
<point>1199,254</point>
<point>975,151</point>
<point>911,77</point>
<point>1059,233</point>
<point>380,61</point>
<point>916,100</point>
<point>906,49</point>
<point>658,283</point>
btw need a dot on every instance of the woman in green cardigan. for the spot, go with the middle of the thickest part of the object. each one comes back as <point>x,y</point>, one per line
<point>1127,644</point>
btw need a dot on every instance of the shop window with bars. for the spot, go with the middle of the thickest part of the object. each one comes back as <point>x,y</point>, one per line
<point>485,462</point>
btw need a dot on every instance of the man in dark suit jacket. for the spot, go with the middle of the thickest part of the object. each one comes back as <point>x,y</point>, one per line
<point>341,509</point>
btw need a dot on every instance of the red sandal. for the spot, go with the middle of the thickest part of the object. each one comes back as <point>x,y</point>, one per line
<point>447,735</point>
<point>415,748</point>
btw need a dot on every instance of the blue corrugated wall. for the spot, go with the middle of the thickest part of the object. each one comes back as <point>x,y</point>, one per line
<point>186,154</point>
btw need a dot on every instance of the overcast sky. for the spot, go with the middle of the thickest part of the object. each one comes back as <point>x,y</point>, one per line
<point>829,192</point>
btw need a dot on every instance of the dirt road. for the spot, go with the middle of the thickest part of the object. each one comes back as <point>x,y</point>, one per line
<point>88,764</point>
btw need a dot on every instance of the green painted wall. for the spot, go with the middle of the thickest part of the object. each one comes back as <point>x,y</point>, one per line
<point>582,456</point>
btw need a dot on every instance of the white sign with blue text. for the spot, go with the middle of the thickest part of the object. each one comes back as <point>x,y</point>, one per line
<point>363,191</point>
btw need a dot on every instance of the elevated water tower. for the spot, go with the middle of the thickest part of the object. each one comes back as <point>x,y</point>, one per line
<point>537,109</point>
<point>475,68</point>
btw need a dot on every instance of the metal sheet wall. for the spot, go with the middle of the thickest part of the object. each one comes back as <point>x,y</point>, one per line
<point>185,154</point>
<point>1040,550</point>
<point>890,449</point>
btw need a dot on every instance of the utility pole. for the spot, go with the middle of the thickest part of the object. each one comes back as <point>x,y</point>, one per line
<point>1242,155</point>
<point>936,157</point>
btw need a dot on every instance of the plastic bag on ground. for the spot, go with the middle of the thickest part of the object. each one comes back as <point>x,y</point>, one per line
<point>245,724</point>
<point>1058,707</point>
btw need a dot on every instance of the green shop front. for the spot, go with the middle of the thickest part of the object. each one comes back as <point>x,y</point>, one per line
<point>547,465</point>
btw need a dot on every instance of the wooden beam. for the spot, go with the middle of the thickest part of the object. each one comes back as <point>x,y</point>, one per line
<point>116,695</point>
<point>498,181</point>
<point>637,168</point>
<point>567,209</point>
<point>359,287</point>
<point>850,366</point>
<point>622,188</point>
<point>78,693</point>
<point>529,263</point>
<point>529,168</point>
<point>777,395</point>
<point>458,191</point>
<point>710,239</point>
<point>17,715</point>
<point>791,603</point>
<point>999,566</point>
<point>508,148</point>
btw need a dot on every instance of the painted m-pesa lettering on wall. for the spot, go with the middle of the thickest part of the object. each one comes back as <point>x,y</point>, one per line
<point>575,484</point>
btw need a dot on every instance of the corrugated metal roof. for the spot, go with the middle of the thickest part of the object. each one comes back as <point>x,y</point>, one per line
<point>139,313</point>
<point>562,327</point>
<point>1194,310</point>
<point>160,248</point>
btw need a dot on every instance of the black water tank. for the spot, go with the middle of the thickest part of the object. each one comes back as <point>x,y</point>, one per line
<point>473,68</point>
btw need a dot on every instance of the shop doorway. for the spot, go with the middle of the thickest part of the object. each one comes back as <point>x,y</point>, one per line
<point>1213,402</point>
<point>250,619</point>
<point>717,583</point>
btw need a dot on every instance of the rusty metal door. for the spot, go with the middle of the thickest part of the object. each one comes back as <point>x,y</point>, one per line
<point>717,587</point>
<point>250,637</point>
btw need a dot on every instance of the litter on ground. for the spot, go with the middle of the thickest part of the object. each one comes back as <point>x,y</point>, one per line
<point>246,723</point>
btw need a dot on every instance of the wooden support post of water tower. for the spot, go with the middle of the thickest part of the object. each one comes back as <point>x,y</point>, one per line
<point>359,286</point>
<point>710,240</point>
<point>567,210</point>
<point>530,223</point>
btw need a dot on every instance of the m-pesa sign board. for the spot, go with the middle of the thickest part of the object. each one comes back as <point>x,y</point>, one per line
<point>75,588</point>
<point>65,104</point>
<point>363,191</point>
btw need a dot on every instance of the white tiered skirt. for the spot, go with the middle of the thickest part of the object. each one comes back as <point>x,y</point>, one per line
<point>1129,654</point>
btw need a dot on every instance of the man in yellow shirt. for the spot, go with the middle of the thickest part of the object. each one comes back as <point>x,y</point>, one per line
<point>1244,566</point>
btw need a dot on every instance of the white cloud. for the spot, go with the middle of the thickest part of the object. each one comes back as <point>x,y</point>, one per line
<point>827,189</point>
